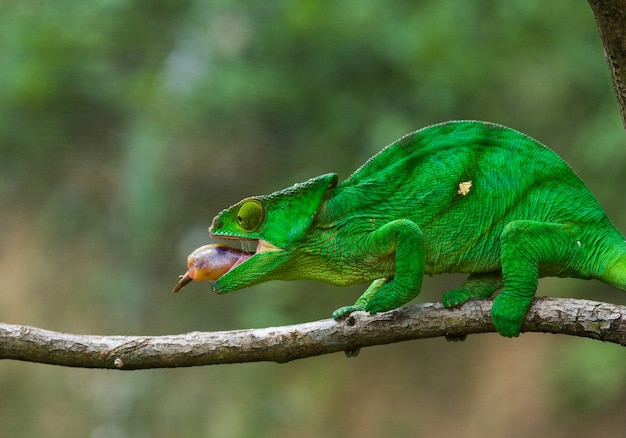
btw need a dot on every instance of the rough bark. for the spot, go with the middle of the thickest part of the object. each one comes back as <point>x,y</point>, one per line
<point>610,16</point>
<point>603,321</point>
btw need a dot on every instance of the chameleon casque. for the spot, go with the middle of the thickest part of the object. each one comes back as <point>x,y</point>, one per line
<point>461,196</point>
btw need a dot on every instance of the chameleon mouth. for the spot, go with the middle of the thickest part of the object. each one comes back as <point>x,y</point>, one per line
<point>210,262</point>
<point>261,246</point>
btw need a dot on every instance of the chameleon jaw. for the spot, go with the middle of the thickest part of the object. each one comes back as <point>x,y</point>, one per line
<point>253,268</point>
<point>210,262</point>
<point>261,246</point>
<point>264,246</point>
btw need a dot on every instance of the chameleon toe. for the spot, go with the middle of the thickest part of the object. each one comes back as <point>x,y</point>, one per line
<point>345,311</point>
<point>508,313</point>
<point>455,297</point>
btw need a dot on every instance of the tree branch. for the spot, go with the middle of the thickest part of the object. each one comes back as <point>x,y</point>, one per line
<point>603,321</point>
<point>610,16</point>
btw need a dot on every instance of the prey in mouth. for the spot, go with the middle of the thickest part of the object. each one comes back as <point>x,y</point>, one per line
<point>210,262</point>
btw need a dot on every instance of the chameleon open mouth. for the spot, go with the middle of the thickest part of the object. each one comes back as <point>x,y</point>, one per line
<point>210,262</point>
<point>246,252</point>
<point>261,246</point>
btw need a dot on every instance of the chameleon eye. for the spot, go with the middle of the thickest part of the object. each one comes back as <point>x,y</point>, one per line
<point>250,215</point>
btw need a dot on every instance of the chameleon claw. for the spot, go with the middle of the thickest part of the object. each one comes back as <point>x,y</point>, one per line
<point>345,311</point>
<point>352,353</point>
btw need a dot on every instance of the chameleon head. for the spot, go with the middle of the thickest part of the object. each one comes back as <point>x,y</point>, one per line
<point>277,223</point>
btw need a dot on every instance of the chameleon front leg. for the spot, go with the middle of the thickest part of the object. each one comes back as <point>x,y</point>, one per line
<point>525,245</point>
<point>406,240</point>
<point>361,303</point>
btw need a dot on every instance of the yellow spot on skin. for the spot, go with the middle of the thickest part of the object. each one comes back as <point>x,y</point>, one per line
<point>464,188</point>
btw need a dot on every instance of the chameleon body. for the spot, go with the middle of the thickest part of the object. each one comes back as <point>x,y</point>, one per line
<point>461,196</point>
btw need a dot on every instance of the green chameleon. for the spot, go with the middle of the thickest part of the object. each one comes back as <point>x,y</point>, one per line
<point>462,196</point>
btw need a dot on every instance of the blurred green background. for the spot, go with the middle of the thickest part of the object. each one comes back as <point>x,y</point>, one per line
<point>126,125</point>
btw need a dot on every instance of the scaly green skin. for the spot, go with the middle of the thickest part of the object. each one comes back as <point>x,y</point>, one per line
<point>463,196</point>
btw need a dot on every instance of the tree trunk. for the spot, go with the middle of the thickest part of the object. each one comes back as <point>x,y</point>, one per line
<point>610,18</point>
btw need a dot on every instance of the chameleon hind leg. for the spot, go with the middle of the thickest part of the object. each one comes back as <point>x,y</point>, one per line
<point>481,285</point>
<point>525,246</point>
<point>406,240</point>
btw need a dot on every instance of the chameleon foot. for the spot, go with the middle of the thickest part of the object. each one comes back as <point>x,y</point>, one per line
<point>352,353</point>
<point>455,338</point>
<point>456,297</point>
<point>481,285</point>
<point>508,314</point>
<point>345,311</point>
